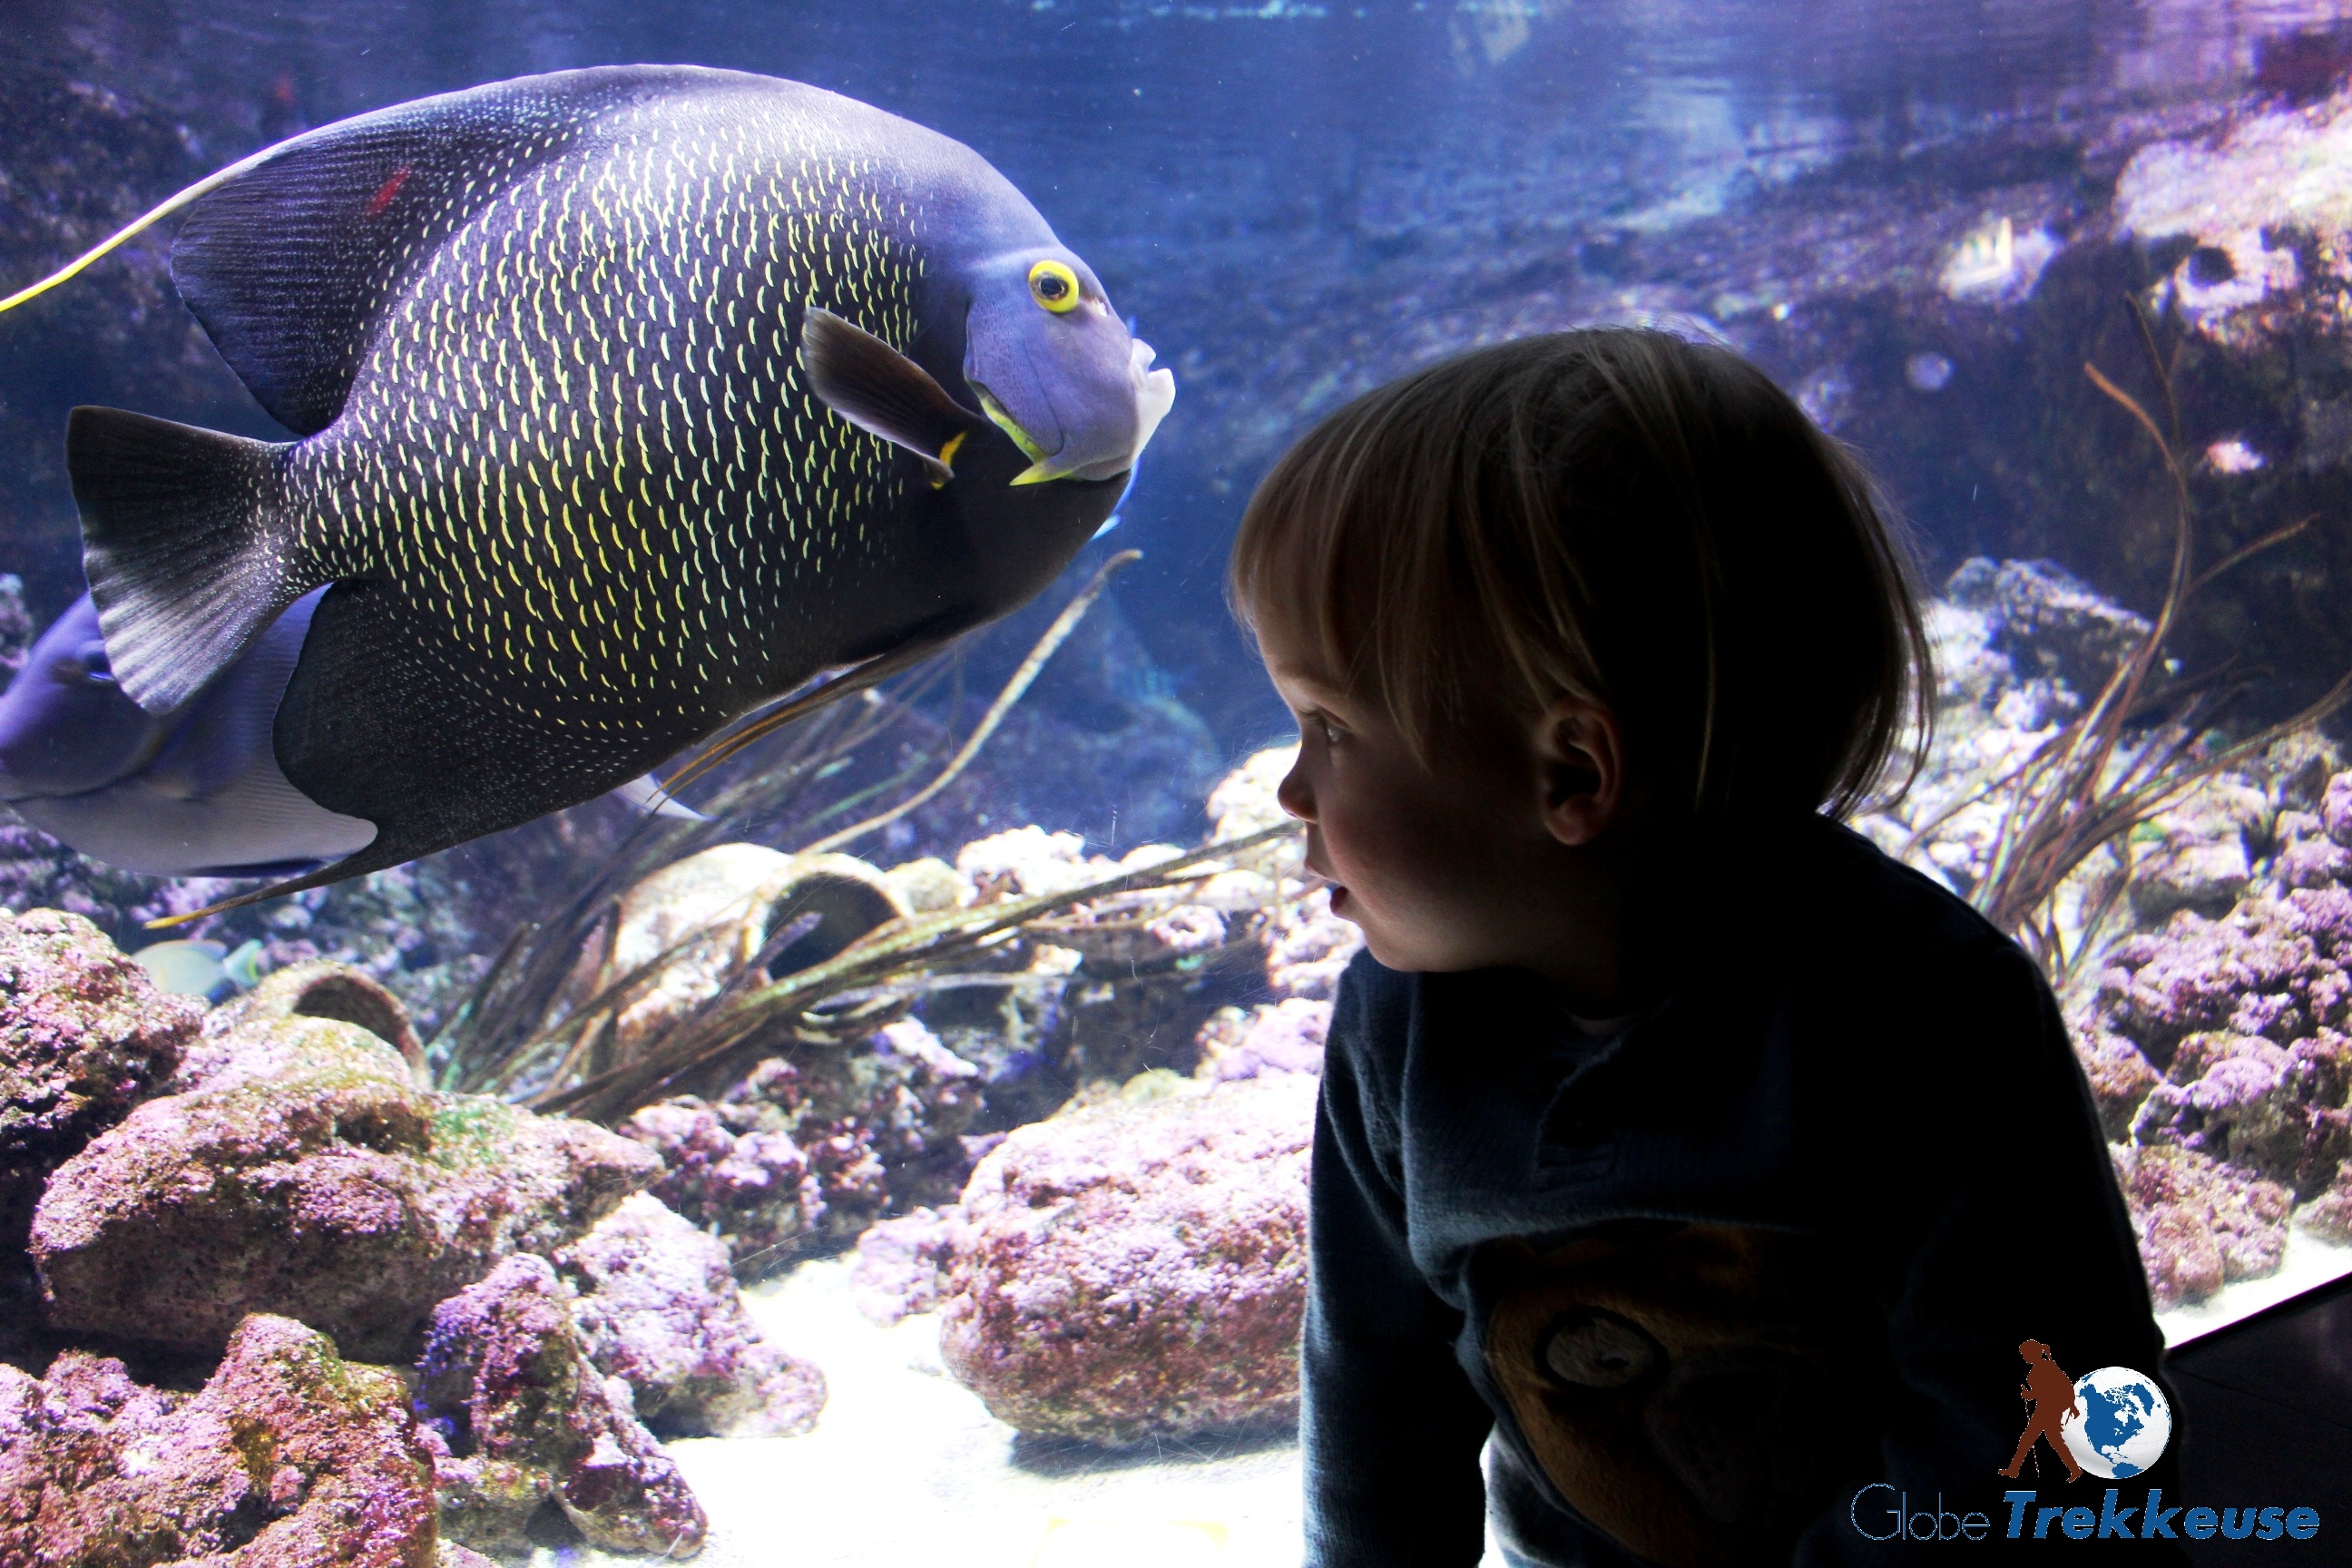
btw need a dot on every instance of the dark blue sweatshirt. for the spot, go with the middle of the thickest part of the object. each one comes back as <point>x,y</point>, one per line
<point>1741,1283</point>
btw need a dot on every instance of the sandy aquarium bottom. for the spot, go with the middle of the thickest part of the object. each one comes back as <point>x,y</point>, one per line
<point>908,1466</point>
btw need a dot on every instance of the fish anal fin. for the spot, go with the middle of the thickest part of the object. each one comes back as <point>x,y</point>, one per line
<point>648,796</point>
<point>882,392</point>
<point>182,541</point>
<point>290,264</point>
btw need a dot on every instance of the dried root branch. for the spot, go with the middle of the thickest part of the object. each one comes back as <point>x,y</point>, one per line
<point>522,1027</point>
<point>822,1004</point>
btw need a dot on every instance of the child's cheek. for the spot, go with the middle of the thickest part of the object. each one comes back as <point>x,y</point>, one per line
<point>1392,848</point>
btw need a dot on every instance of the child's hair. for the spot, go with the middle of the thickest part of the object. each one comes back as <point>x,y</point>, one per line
<point>1618,514</point>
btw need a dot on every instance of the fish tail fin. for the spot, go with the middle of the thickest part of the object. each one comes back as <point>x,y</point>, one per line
<point>186,545</point>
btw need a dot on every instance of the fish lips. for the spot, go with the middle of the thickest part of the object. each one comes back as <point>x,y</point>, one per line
<point>1075,392</point>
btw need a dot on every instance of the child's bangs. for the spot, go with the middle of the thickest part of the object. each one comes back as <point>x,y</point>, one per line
<point>1315,543</point>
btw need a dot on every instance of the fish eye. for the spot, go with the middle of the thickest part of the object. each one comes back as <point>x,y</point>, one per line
<point>1054,286</point>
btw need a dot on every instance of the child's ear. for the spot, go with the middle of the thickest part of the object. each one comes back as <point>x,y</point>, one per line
<point>1580,752</point>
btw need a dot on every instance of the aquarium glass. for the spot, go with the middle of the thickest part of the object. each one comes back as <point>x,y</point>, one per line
<point>960,1037</point>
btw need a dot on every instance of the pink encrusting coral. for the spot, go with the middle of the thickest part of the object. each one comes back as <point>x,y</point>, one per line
<point>2219,1054</point>
<point>902,1264</point>
<point>334,1191</point>
<point>1308,947</point>
<point>84,1037</point>
<point>809,1151</point>
<point>292,1183</point>
<point>2274,1110</point>
<point>1279,1037</point>
<point>658,1308</point>
<point>1135,1267</point>
<point>288,1458</point>
<point>752,1189</point>
<point>2201,1224</point>
<point>516,1416</point>
<point>2271,966</point>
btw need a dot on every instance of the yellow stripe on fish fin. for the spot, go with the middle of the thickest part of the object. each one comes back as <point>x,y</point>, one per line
<point>141,223</point>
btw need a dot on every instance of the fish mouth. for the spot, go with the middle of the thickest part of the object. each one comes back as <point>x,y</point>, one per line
<point>1154,392</point>
<point>1041,462</point>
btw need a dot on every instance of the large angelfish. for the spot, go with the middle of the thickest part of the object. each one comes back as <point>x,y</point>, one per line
<point>627,400</point>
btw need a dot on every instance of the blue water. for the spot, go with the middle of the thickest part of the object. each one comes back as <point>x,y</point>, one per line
<point>1293,200</point>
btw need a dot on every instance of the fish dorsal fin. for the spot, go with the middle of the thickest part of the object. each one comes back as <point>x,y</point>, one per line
<point>289,264</point>
<point>881,391</point>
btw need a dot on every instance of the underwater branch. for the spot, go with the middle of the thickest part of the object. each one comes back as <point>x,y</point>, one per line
<point>892,951</point>
<point>1064,624</point>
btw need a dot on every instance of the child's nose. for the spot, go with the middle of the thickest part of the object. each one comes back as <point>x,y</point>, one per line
<point>1293,795</point>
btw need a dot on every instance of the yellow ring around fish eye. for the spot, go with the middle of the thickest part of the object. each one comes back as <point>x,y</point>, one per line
<point>1054,286</point>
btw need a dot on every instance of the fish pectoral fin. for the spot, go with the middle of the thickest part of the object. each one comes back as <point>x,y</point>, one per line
<point>882,392</point>
<point>646,794</point>
<point>186,545</point>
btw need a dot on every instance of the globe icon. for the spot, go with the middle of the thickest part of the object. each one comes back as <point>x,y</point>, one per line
<point>2124,1423</point>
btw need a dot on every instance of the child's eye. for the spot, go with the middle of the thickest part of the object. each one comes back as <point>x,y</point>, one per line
<point>1330,732</point>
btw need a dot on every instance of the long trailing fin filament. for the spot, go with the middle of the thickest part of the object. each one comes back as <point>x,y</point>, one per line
<point>146,220</point>
<point>1064,624</point>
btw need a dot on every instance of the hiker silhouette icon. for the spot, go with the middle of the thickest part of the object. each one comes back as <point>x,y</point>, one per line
<point>2049,1396</point>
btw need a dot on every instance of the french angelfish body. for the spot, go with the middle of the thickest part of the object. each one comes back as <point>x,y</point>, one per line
<point>548,349</point>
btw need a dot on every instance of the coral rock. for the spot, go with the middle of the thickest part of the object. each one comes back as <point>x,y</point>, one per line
<point>334,1193</point>
<point>658,1306</point>
<point>902,1263</point>
<point>2120,1079</point>
<point>753,1191</point>
<point>930,885</point>
<point>2243,194</point>
<point>516,1416</point>
<point>2330,1216</point>
<point>1307,946</point>
<point>2195,856</point>
<point>1281,1037</point>
<point>2272,967</point>
<point>2307,855</point>
<point>2200,1223</point>
<point>2050,623</point>
<point>2276,1110</point>
<point>288,1457</point>
<point>2336,809</point>
<point>1136,1267</point>
<point>695,924</point>
<point>820,1146</point>
<point>1243,801</point>
<point>84,1037</point>
<point>1025,862</point>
